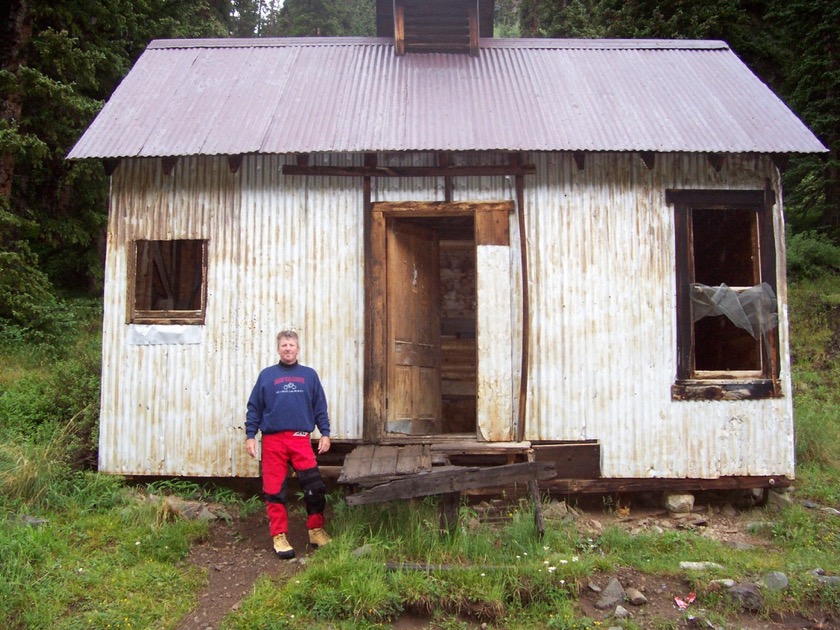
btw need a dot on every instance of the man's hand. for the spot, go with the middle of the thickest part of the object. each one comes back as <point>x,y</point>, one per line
<point>323,444</point>
<point>251,447</point>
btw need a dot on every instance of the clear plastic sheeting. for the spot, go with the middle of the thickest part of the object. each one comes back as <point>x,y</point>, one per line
<point>754,309</point>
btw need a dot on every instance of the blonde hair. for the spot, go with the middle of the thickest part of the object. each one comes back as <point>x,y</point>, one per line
<point>288,334</point>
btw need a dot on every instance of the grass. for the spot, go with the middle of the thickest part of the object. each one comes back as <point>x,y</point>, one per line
<point>814,307</point>
<point>81,549</point>
<point>506,576</point>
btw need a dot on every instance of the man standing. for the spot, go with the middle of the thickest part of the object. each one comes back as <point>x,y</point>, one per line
<point>286,405</point>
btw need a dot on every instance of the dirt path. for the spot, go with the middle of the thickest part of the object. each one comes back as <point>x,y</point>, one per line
<point>235,556</point>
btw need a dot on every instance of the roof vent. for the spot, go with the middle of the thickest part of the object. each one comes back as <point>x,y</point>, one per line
<point>435,26</point>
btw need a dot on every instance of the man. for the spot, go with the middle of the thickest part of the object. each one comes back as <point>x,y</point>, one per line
<point>286,405</point>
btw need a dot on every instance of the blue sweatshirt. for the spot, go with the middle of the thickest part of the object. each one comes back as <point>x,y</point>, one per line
<point>287,398</point>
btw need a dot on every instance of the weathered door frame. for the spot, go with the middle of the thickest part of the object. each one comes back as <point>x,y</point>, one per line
<point>491,221</point>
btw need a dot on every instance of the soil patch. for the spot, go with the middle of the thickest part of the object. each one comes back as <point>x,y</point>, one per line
<point>235,555</point>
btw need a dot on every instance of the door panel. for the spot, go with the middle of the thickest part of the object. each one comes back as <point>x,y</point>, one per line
<point>413,389</point>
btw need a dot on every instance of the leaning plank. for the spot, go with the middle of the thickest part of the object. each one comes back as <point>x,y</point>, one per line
<point>454,479</point>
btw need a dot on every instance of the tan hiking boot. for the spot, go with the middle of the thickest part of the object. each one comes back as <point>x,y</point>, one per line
<point>318,537</point>
<point>282,547</point>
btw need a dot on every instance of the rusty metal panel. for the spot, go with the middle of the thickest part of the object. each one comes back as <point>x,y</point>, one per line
<point>242,96</point>
<point>603,358</point>
<point>282,253</point>
<point>495,378</point>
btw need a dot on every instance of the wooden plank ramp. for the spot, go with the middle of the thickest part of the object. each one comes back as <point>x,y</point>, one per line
<point>393,473</point>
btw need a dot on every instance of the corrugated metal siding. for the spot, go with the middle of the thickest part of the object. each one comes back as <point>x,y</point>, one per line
<point>335,95</point>
<point>287,251</point>
<point>603,358</point>
<point>283,252</point>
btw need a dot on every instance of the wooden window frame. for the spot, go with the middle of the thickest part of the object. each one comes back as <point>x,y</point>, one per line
<point>164,316</point>
<point>691,384</point>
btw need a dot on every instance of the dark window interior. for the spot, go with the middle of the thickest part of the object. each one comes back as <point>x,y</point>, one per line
<point>725,252</point>
<point>169,278</point>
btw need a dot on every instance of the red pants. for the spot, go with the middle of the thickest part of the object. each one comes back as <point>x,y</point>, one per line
<point>278,451</point>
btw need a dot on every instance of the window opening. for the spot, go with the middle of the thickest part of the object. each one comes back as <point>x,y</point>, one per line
<point>169,282</point>
<point>727,338</point>
<point>725,254</point>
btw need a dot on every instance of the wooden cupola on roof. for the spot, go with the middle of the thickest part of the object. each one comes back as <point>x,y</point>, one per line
<point>435,26</point>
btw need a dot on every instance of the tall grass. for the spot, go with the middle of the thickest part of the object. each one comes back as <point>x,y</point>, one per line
<point>814,305</point>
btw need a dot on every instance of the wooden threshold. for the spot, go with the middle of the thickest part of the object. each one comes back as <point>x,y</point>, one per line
<point>645,484</point>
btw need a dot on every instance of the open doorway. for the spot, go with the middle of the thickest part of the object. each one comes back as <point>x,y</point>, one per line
<point>430,303</point>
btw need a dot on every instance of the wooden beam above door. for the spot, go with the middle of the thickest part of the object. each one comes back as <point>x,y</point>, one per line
<point>409,171</point>
<point>443,208</point>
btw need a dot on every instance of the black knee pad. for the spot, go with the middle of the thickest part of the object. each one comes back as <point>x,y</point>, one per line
<point>314,490</point>
<point>280,497</point>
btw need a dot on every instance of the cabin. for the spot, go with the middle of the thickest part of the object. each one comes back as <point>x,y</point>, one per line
<point>567,248</point>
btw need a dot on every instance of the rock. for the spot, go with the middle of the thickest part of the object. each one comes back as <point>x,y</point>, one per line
<point>594,587</point>
<point>364,550</point>
<point>679,503</point>
<point>729,510</point>
<point>555,511</point>
<point>612,595</point>
<point>740,546</point>
<point>829,581</point>
<point>32,521</point>
<point>596,526</point>
<point>757,495</point>
<point>723,583</point>
<point>189,510</point>
<point>775,581</point>
<point>778,499</point>
<point>223,514</point>
<point>700,566</point>
<point>818,571</point>
<point>747,595</point>
<point>622,613</point>
<point>830,510</point>
<point>635,596</point>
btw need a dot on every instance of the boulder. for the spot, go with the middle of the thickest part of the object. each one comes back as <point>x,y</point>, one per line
<point>611,596</point>
<point>679,503</point>
<point>747,595</point>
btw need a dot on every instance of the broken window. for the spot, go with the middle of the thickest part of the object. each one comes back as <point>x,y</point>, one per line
<point>169,282</point>
<point>727,344</point>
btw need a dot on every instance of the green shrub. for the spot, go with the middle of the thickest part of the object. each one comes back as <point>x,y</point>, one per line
<point>64,397</point>
<point>29,310</point>
<point>811,254</point>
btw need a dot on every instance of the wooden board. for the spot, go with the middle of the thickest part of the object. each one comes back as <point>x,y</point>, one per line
<point>573,461</point>
<point>370,464</point>
<point>453,479</point>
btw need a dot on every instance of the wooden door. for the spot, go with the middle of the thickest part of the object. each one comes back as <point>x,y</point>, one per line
<point>413,398</point>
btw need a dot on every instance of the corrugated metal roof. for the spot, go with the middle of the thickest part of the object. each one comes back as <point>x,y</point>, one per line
<point>234,96</point>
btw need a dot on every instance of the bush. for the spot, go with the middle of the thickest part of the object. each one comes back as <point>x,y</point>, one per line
<point>64,398</point>
<point>811,255</point>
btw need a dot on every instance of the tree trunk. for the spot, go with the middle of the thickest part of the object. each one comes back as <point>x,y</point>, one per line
<point>15,34</point>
